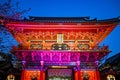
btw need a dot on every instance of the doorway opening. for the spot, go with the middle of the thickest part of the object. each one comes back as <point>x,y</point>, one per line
<point>59,74</point>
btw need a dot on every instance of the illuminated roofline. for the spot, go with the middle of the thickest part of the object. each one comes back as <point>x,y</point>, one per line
<point>62,20</point>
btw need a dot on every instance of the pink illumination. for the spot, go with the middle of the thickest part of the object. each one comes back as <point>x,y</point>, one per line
<point>42,63</point>
<point>81,53</point>
<point>78,63</point>
<point>56,56</point>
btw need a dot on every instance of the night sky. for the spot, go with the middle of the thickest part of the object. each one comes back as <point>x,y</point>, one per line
<point>100,9</point>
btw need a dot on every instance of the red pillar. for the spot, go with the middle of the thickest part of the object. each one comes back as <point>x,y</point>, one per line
<point>42,75</point>
<point>98,75</point>
<point>77,75</point>
<point>26,74</point>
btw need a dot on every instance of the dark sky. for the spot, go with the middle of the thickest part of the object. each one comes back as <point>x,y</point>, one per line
<point>94,8</point>
<point>100,9</point>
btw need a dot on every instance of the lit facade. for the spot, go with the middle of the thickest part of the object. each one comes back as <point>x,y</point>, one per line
<point>60,48</point>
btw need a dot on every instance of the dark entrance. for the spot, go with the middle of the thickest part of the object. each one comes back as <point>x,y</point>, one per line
<point>59,74</point>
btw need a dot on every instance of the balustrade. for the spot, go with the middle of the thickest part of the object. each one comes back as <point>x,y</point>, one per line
<point>33,58</point>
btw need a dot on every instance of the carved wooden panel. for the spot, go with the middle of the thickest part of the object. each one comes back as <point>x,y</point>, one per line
<point>47,37</point>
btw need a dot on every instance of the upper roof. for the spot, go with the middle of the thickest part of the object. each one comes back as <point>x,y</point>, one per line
<point>64,19</point>
<point>70,19</point>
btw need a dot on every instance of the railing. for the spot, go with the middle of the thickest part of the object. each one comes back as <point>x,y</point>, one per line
<point>82,65</point>
<point>59,56</point>
<point>33,58</point>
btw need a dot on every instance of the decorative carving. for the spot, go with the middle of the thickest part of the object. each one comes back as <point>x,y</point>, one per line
<point>33,58</point>
<point>86,76</point>
<point>60,47</point>
<point>86,39</point>
<point>73,57</point>
<point>36,46</point>
<point>28,57</point>
<point>91,58</point>
<point>55,57</point>
<point>46,57</point>
<point>64,57</point>
<point>84,46</point>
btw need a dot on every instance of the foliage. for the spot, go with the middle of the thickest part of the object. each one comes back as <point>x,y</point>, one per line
<point>11,9</point>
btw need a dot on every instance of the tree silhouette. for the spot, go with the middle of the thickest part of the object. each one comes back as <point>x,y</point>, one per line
<point>12,10</point>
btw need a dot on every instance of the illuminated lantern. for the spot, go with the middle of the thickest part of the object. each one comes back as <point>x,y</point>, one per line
<point>110,77</point>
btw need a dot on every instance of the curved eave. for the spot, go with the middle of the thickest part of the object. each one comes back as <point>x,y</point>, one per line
<point>72,20</point>
<point>80,20</point>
